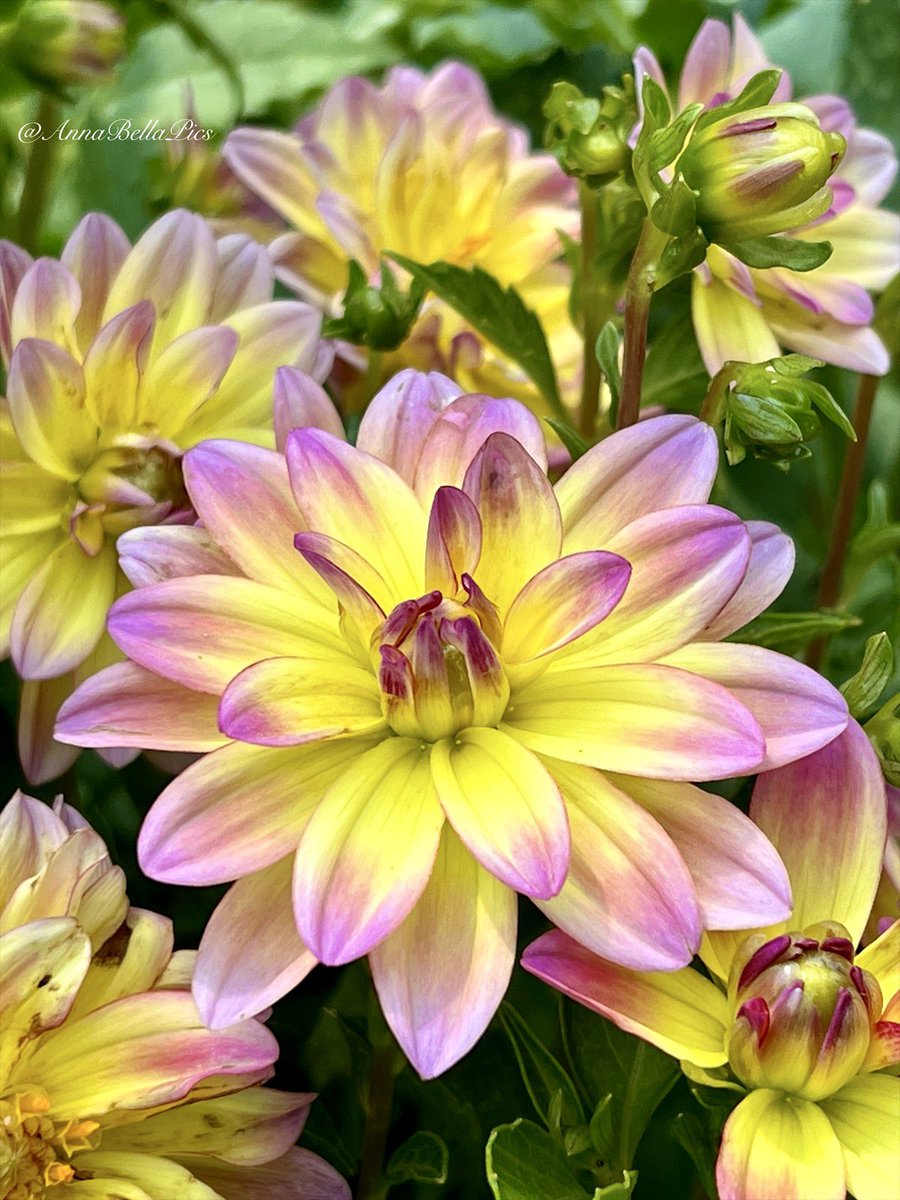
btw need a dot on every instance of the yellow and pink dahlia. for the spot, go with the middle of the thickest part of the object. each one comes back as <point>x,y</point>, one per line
<point>748,315</point>
<point>428,680</point>
<point>118,359</point>
<point>790,1017</point>
<point>110,1086</point>
<point>423,166</point>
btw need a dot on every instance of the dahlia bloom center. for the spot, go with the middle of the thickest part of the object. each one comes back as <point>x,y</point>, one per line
<point>437,670</point>
<point>805,1013</point>
<point>34,1149</point>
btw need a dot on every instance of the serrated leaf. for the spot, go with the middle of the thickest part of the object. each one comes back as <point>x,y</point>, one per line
<point>793,631</point>
<point>764,252</point>
<point>757,91</point>
<point>863,690</point>
<point>544,1076</point>
<point>423,1158</point>
<point>498,313</point>
<point>525,1163</point>
<point>570,438</point>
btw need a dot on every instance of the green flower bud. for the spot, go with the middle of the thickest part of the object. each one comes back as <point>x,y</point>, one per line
<point>761,172</point>
<point>804,1013</point>
<point>377,317</point>
<point>64,42</point>
<point>589,136</point>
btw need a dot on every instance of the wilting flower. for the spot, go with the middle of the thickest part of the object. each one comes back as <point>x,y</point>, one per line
<point>806,1025</point>
<point>466,684</point>
<point>119,359</point>
<point>109,1083</point>
<point>748,315</point>
<point>64,42</point>
<point>425,167</point>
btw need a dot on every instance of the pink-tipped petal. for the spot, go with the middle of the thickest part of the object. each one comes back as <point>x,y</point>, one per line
<point>666,461</point>
<point>564,601</point>
<point>628,894</point>
<point>682,1013</point>
<point>300,402</point>
<point>453,544</point>
<point>246,276</point>
<point>14,263</point>
<point>271,165</point>
<point>126,706</point>
<point>798,711</point>
<point>397,421</point>
<point>46,305</point>
<point>368,851</point>
<point>705,73</point>
<point>45,389</point>
<point>522,836</point>
<point>113,367</point>
<point>826,816</point>
<point>738,877</point>
<point>342,569</point>
<point>154,553</point>
<point>95,251</point>
<point>770,567</point>
<point>441,976</point>
<point>297,1175</point>
<point>250,953</point>
<point>181,378</point>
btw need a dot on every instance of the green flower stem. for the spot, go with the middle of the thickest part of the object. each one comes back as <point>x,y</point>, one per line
<point>851,477</point>
<point>374,373</point>
<point>712,410</point>
<point>38,176</point>
<point>638,294</point>
<point>379,1105</point>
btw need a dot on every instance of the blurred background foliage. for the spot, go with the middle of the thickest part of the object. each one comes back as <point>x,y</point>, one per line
<point>265,61</point>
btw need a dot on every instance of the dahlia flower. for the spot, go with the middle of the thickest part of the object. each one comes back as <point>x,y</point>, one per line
<point>748,315</point>
<point>466,684</point>
<point>790,1017</point>
<point>109,1083</point>
<point>425,167</point>
<point>118,360</point>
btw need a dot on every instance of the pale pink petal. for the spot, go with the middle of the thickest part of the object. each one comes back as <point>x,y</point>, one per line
<point>797,710</point>
<point>250,953</point>
<point>771,566</point>
<point>368,851</point>
<point>246,276</point>
<point>399,417</point>
<point>738,877</point>
<point>154,553</point>
<point>127,706</point>
<point>94,252</point>
<point>441,976</point>
<point>46,305</point>
<point>628,895</point>
<point>271,165</point>
<point>850,346</point>
<point>298,1175</point>
<point>300,401</point>
<point>659,463</point>
<point>705,73</point>
<point>870,165</point>
<point>14,263</point>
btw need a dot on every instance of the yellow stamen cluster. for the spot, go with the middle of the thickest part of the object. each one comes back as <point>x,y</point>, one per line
<point>35,1149</point>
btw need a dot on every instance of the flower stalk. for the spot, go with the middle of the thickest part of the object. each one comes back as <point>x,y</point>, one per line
<point>638,294</point>
<point>38,175</point>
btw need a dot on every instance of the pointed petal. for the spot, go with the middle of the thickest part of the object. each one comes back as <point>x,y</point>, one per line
<point>243,497</point>
<point>679,1011</point>
<point>173,264</point>
<point>271,165</point>
<point>368,851</point>
<point>126,706</point>
<point>882,958</point>
<point>852,346</point>
<point>453,544</point>
<point>29,832</point>
<point>154,553</point>
<point>399,417</point>
<point>297,1175</point>
<point>505,808</point>
<point>195,833</point>
<point>361,502</point>
<point>287,701</point>
<point>131,961</point>
<point>564,601</point>
<point>203,630</point>
<point>61,613</point>
<point>628,894</point>
<point>864,245</point>
<point>343,569</point>
<point>441,976</point>
<point>797,710</point>
<point>184,375</point>
<point>864,1115</point>
<point>298,402</point>
<point>41,757</point>
<point>738,877</point>
<point>520,521</point>
<point>46,305</point>
<point>832,850</point>
<point>113,366</point>
<point>246,276</point>
<point>647,720</point>
<point>231,983</point>
<point>46,402</point>
<point>93,254</point>
<point>728,325</point>
<point>771,566</point>
<point>14,263</point>
<point>667,461</point>
<point>778,1147</point>
<point>706,66</point>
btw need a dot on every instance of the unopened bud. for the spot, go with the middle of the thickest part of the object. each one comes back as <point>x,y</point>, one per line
<point>377,317</point>
<point>761,172</point>
<point>65,42</point>
<point>588,135</point>
<point>804,1013</point>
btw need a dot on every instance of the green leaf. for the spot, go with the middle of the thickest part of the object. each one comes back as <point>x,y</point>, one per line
<point>496,312</point>
<point>617,1191</point>
<point>493,37</point>
<point>607,352</point>
<point>570,438</point>
<point>674,374</point>
<point>862,690</point>
<point>757,91</point>
<point>423,1158</point>
<point>675,211</point>
<point>543,1075</point>
<point>637,1075</point>
<point>657,110</point>
<point>664,146</point>
<point>702,1148</point>
<point>795,253</point>
<point>680,257</point>
<point>793,631</point>
<point>829,407</point>
<point>794,364</point>
<point>525,1163</point>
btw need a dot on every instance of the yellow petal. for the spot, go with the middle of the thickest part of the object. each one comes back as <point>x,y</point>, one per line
<point>882,958</point>
<point>728,325</point>
<point>156,1176</point>
<point>865,1115</point>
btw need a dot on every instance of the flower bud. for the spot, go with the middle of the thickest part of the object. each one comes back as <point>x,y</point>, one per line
<point>761,172</point>
<point>588,136</point>
<point>64,42</point>
<point>804,1014</point>
<point>377,317</point>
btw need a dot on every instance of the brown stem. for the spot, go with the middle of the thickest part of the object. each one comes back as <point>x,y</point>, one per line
<point>379,1103</point>
<point>38,175</point>
<point>638,294</point>
<point>848,492</point>
<point>590,314</point>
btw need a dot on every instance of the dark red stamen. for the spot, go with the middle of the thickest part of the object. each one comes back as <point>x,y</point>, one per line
<point>763,958</point>
<point>859,982</point>
<point>756,1013</point>
<point>833,1032</point>
<point>758,125</point>
<point>839,945</point>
